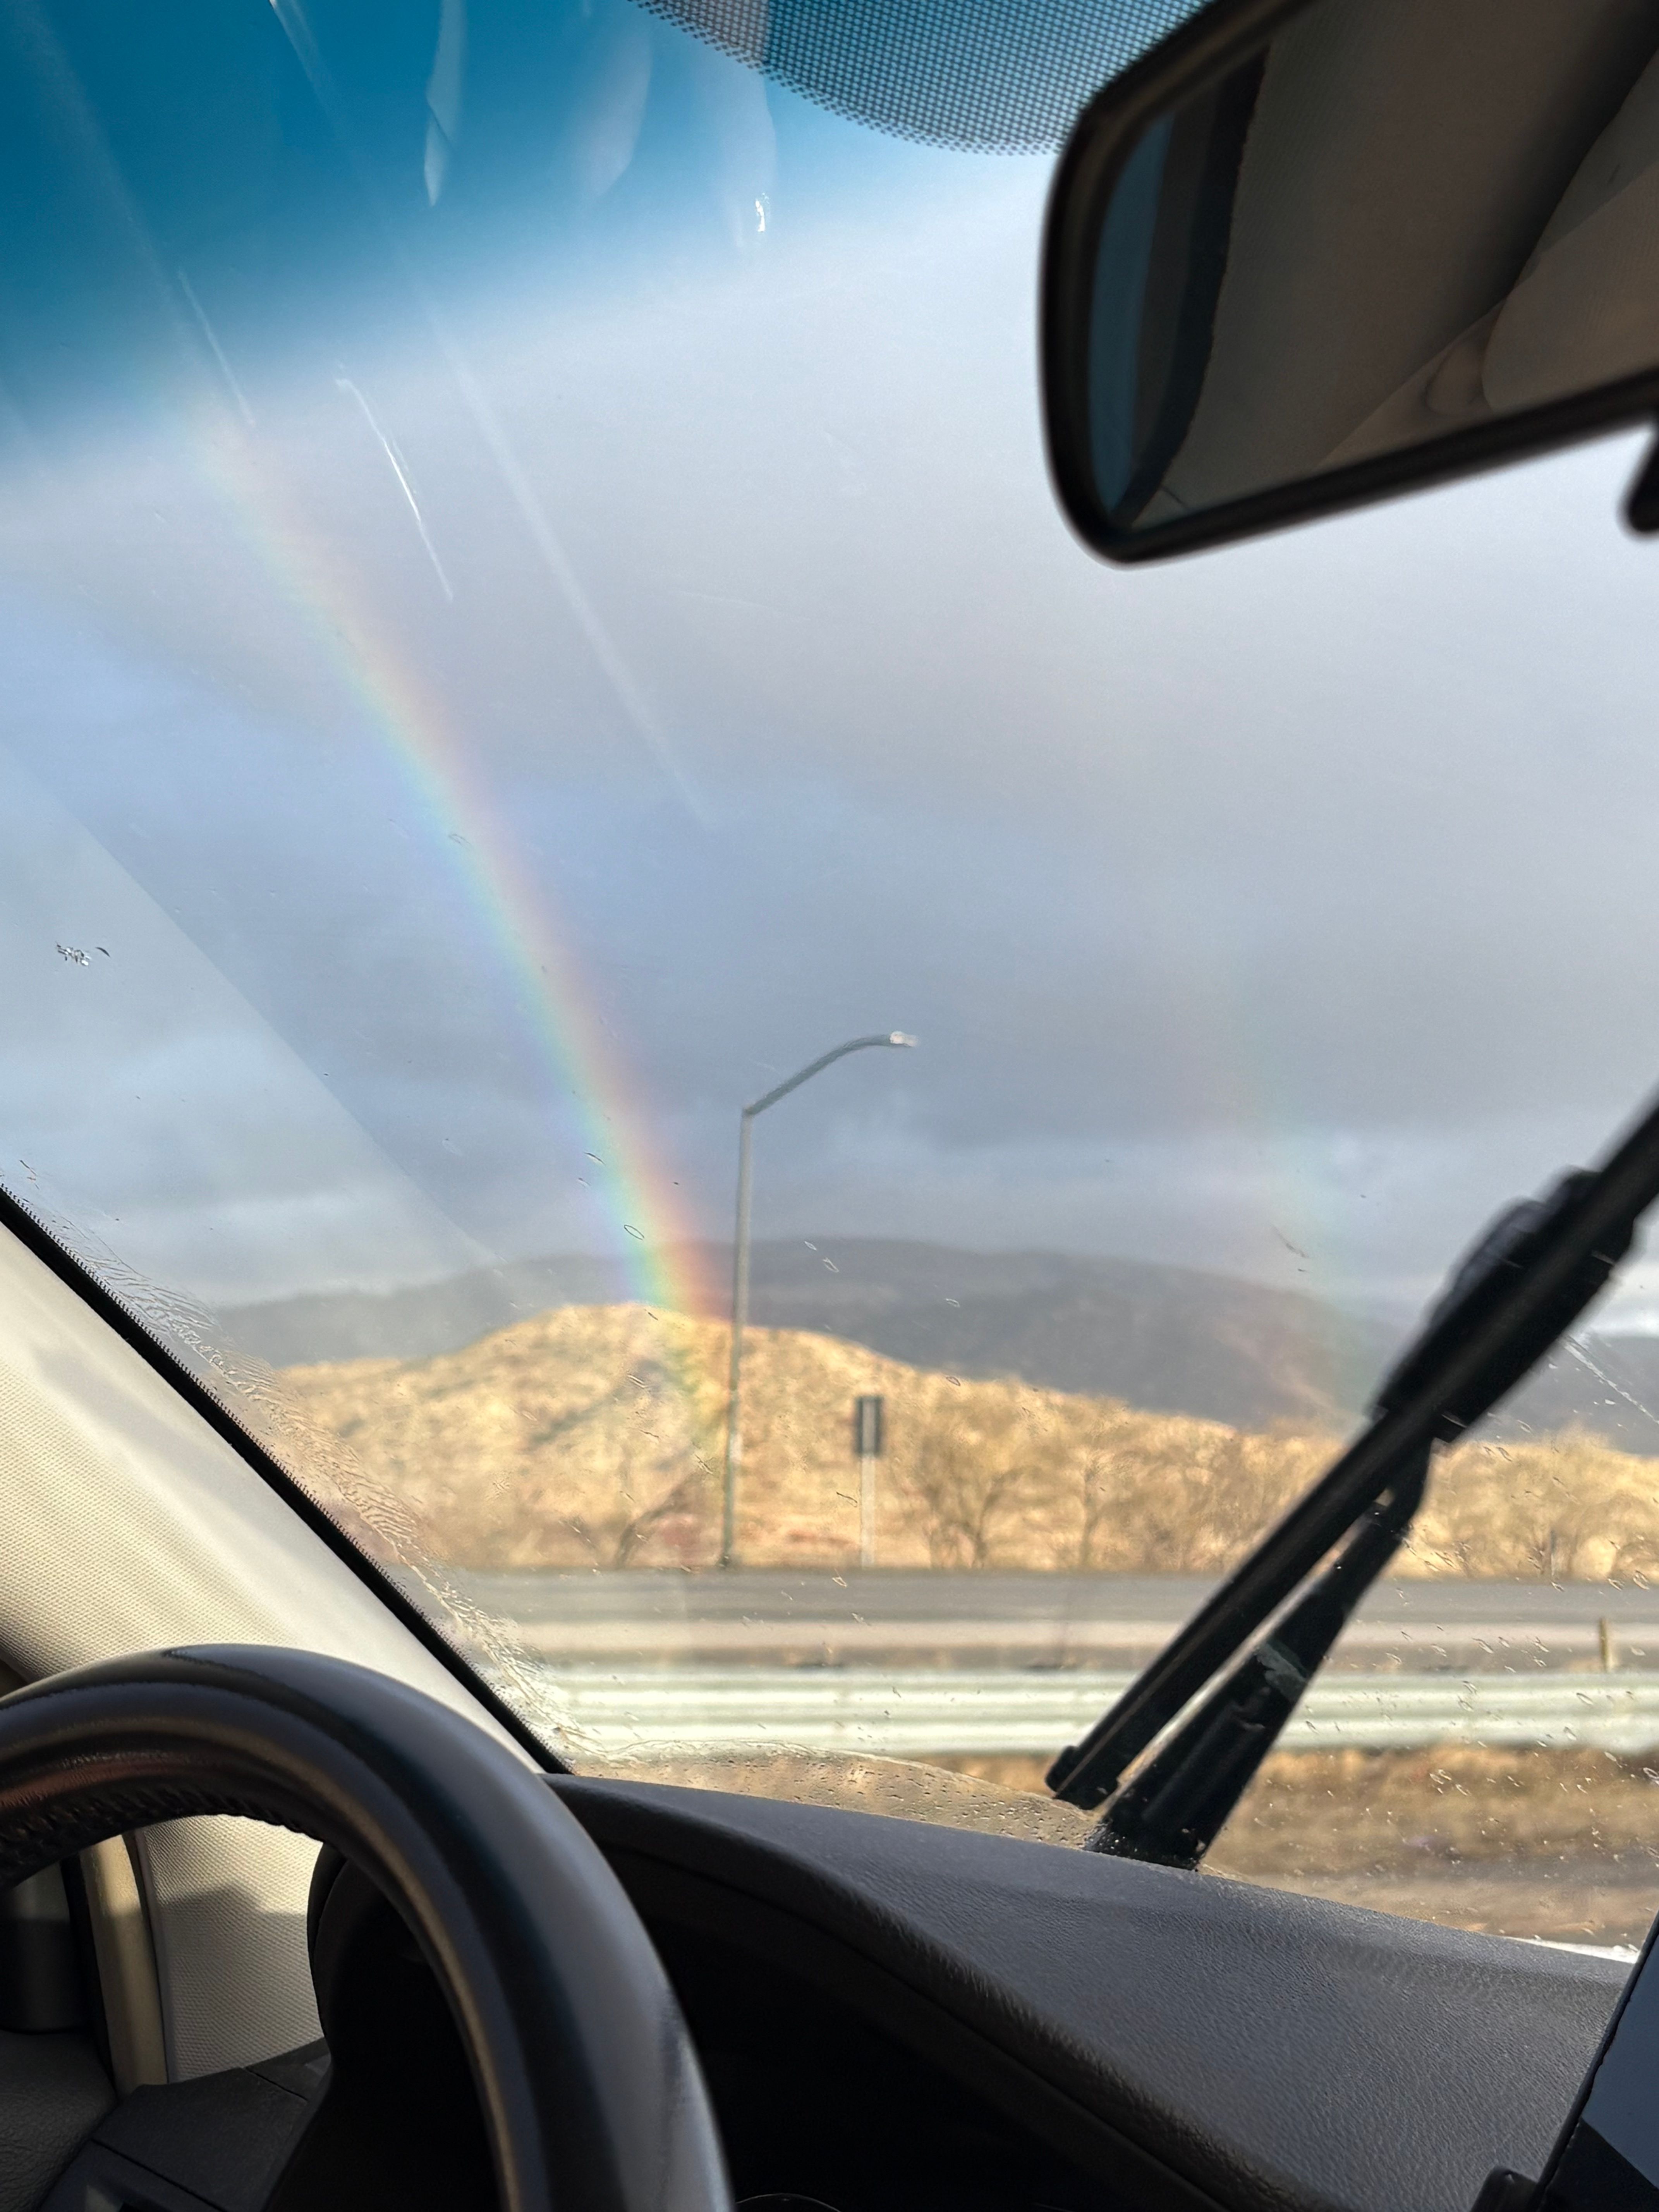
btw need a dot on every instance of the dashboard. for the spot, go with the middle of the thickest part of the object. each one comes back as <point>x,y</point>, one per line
<point>1130,2035</point>
<point>895,2015</point>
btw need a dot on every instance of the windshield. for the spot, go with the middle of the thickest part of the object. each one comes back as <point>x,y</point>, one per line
<point>531,613</point>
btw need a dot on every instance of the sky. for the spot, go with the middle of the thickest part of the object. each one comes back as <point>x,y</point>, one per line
<point>455,750</point>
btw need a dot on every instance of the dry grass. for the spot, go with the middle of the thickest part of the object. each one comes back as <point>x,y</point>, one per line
<point>1360,1812</point>
<point>591,1436</point>
<point>1561,1845</point>
<point>1307,1815</point>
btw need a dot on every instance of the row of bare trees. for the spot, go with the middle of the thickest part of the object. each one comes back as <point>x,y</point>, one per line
<point>1107,1489</point>
<point>1116,1490</point>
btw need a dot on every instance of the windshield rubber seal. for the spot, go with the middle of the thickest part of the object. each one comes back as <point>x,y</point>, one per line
<point>33,1233</point>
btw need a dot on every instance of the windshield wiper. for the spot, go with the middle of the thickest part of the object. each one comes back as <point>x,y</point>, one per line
<point>1525,1283</point>
<point>1179,1803</point>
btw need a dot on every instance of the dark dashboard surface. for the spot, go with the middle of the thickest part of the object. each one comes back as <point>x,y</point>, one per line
<point>1160,2037</point>
<point>894,2017</point>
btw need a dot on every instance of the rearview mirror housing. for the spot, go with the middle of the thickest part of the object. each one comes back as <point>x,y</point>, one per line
<point>1311,253</point>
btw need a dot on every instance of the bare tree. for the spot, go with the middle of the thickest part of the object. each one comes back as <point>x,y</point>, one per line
<point>961,1485</point>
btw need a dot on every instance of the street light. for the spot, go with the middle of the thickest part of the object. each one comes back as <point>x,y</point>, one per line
<point>740,1269</point>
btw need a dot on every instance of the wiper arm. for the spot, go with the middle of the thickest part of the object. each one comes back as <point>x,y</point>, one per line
<point>1179,1803</point>
<point>1525,1283</point>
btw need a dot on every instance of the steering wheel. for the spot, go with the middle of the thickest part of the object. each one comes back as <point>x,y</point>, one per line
<point>587,2086</point>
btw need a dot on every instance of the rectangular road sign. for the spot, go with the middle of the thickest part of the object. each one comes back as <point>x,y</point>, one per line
<point>867,1428</point>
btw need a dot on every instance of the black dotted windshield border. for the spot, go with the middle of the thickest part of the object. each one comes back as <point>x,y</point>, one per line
<point>1005,77</point>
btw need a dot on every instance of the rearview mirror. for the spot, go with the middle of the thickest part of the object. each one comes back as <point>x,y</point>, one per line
<point>1311,252</point>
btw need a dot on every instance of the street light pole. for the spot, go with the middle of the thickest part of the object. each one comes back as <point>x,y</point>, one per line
<point>740,1271</point>
<point>740,1322</point>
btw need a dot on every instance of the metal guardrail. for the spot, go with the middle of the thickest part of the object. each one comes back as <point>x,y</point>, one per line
<point>903,1712</point>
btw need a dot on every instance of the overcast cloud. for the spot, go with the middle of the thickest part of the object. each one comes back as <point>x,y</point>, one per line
<point>1282,910</point>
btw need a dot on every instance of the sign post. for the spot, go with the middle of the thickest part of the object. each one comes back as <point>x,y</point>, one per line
<point>866,1449</point>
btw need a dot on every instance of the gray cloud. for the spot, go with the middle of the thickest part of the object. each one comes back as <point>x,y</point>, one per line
<point>1300,895</point>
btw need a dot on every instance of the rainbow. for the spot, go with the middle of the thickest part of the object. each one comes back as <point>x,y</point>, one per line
<point>653,1229</point>
<point>652,1226</point>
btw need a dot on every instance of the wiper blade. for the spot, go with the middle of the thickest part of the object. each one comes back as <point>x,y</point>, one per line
<point>1179,1803</point>
<point>1527,1281</point>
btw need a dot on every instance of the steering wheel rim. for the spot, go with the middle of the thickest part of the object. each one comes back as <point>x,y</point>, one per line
<point>590,2089</point>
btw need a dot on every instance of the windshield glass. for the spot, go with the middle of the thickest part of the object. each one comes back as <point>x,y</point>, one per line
<point>531,612</point>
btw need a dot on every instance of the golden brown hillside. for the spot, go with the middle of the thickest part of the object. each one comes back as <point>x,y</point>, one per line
<point>592,1434</point>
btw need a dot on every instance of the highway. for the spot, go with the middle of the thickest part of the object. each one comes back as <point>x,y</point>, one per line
<point>990,1620</point>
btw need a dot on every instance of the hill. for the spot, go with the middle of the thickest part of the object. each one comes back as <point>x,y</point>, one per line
<point>591,1436</point>
<point>1174,1340</point>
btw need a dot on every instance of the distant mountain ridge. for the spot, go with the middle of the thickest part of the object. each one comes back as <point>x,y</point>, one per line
<point>1170,1340</point>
